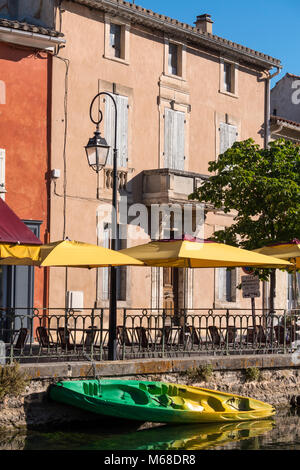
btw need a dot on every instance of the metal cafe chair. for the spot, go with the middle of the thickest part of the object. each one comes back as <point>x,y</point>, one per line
<point>215,335</point>
<point>45,339</point>
<point>21,338</point>
<point>144,337</point>
<point>64,338</point>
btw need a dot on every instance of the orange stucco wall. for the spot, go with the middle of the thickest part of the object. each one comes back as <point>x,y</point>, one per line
<point>24,136</point>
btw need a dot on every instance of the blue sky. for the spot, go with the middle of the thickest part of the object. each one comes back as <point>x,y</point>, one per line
<point>268,26</point>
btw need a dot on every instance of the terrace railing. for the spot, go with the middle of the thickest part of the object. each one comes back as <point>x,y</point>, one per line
<point>43,335</point>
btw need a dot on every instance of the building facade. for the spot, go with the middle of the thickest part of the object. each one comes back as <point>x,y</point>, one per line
<point>285,124</point>
<point>183,95</point>
<point>26,43</point>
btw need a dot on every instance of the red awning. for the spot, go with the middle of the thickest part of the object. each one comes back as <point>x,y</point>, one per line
<point>13,230</point>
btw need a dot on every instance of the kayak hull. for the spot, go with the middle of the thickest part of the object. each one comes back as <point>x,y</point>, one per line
<point>158,402</point>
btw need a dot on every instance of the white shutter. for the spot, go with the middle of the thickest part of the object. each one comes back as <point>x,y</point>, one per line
<point>169,124</point>
<point>109,127</point>
<point>174,139</point>
<point>122,128</point>
<point>105,271</point>
<point>228,135</point>
<point>122,107</point>
<point>2,174</point>
<point>221,283</point>
<point>179,139</point>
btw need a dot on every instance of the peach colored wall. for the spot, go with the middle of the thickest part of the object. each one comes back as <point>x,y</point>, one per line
<point>84,34</point>
<point>24,137</point>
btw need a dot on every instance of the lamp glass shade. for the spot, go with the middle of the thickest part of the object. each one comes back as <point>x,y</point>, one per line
<point>97,151</point>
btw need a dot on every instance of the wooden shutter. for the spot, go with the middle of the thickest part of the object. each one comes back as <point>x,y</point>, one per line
<point>105,271</point>
<point>122,128</point>
<point>174,139</point>
<point>122,106</point>
<point>227,284</point>
<point>221,283</point>
<point>169,117</point>
<point>109,127</point>
<point>122,270</point>
<point>228,135</point>
<point>179,136</point>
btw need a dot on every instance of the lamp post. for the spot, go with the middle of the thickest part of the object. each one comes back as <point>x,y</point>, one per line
<point>97,151</point>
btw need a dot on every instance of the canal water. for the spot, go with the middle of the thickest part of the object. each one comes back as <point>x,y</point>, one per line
<point>282,432</point>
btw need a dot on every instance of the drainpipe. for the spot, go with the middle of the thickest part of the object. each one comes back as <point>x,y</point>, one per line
<point>266,145</point>
<point>267,106</point>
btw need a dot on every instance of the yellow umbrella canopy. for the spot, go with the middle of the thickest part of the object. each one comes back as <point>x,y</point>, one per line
<point>289,251</point>
<point>195,253</point>
<point>19,254</point>
<point>67,253</point>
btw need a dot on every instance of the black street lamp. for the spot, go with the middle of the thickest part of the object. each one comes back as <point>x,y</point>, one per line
<point>97,151</point>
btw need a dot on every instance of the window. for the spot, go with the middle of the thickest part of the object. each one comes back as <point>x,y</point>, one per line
<point>228,78</point>
<point>115,40</point>
<point>173,59</point>
<point>174,139</point>
<point>122,128</point>
<point>228,135</point>
<point>116,44</point>
<point>227,284</point>
<point>293,289</point>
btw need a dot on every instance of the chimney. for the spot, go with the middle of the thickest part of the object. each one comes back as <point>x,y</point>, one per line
<point>204,23</point>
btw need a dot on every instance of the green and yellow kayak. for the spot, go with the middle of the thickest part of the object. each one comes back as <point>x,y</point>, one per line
<point>158,402</point>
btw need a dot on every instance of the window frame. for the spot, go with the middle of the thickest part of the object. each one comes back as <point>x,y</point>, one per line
<point>233,77</point>
<point>124,39</point>
<point>181,59</point>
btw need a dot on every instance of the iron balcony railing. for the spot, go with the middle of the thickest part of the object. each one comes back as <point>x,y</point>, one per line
<point>40,335</point>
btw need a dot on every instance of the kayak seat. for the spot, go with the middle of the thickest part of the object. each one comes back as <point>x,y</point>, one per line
<point>215,404</point>
<point>140,397</point>
<point>178,403</point>
<point>239,404</point>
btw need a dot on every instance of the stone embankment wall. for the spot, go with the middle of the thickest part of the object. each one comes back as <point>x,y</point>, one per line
<point>276,382</point>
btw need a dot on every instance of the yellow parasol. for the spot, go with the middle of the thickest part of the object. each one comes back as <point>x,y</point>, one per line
<point>18,254</point>
<point>288,251</point>
<point>65,253</point>
<point>195,253</point>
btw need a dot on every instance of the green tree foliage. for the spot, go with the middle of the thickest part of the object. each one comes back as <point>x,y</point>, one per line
<point>261,188</point>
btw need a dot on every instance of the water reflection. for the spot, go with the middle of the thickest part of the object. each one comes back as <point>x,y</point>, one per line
<point>280,432</point>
